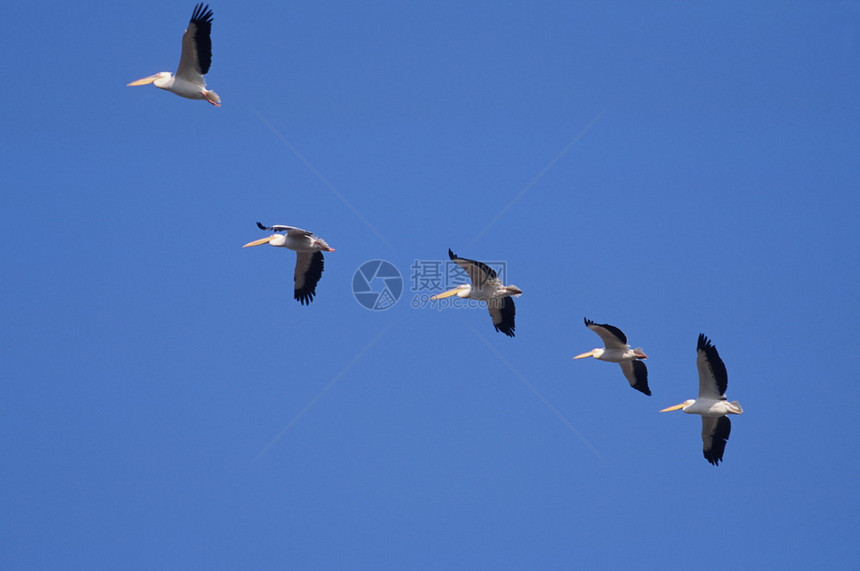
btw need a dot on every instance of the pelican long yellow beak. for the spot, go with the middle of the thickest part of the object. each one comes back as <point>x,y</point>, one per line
<point>265,240</point>
<point>676,407</point>
<point>445,294</point>
<point>583,355</point>
<point>143,80</point>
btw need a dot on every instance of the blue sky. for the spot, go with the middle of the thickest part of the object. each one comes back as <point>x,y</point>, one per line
<point>668,168</point>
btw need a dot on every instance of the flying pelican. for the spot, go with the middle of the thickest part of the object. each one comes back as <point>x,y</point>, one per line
<point>193,63</point>
<point>616,350</point>
<point>486,286</point>
<point>309,257</point>
<point>712,404</point>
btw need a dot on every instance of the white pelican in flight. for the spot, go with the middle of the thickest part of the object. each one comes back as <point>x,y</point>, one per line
<point>712,404</point>
<point>193,63</point>
<point>486,286</point>
<point>309,257</point>
<point>616,350</point>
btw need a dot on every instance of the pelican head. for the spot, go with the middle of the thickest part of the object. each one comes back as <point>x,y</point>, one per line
<point>596,353</point>
<point>155,78</point>
<point>510,290</point>
<point>681,406</point>
<point>462,290</point>
<point>639,354</point>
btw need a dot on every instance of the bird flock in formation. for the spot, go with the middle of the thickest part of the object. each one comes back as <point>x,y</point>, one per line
<point>712,404</point>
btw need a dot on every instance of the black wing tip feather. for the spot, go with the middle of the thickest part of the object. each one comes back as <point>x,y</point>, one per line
<point>506,329</point>
<point>641,373</point>
<point>718,441</point>
<point>264,228</point>
<point>202,14</point>
<point>509,312</point>
<point>452,255</point>
<point>305,294</point>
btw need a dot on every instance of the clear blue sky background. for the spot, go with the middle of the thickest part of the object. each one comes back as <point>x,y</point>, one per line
<point>676,168</point>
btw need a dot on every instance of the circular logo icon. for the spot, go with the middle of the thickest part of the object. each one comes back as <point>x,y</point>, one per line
<point>377,285</point>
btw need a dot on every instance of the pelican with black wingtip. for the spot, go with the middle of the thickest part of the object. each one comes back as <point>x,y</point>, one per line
<point>309,256</point>
<point>487,287</point>
<point>712,404</point>
<point>616,350</point>
<point>194,63</point>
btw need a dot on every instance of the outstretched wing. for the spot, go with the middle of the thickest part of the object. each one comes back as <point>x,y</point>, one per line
<point>503,311</point>
<point>309,269</point>
<point>196,46</point>
<point>613,338</point>
<point>295,232</point>
<point>715,434</point>
<point>713,377</point>
<point>479,272</point>
<point>637,375</point>
<point>290,230</point>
